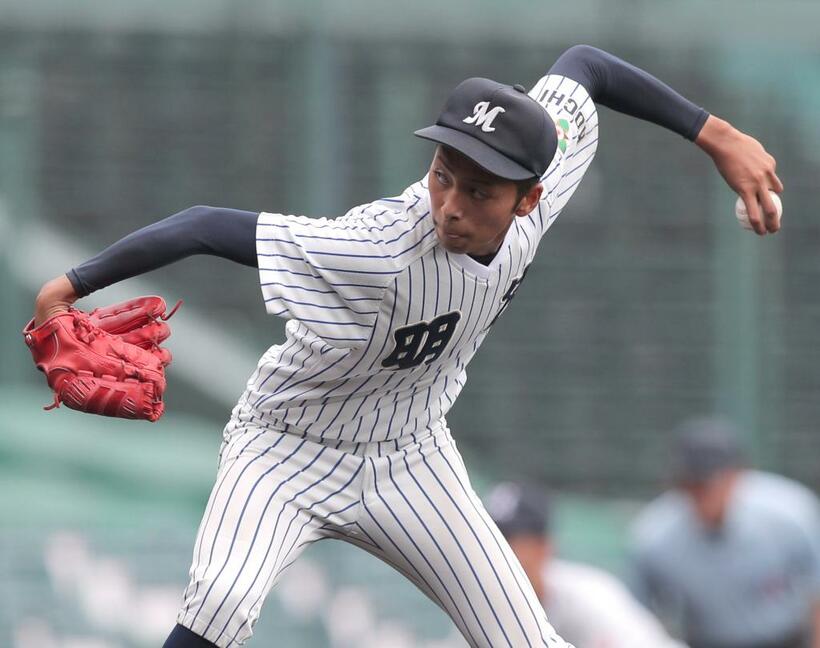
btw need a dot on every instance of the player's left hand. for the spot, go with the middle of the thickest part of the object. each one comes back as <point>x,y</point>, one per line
<point>747,168</point>
<point>106,362</point>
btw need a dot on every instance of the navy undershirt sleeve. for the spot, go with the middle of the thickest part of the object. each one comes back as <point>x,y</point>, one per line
<point>227,233</point>
<point>620,86</point>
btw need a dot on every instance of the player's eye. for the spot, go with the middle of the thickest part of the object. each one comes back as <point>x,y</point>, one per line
<point>441,177</point>
<point>479,194</point>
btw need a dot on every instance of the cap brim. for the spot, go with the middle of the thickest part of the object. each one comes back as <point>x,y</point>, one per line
<point>483,155</point>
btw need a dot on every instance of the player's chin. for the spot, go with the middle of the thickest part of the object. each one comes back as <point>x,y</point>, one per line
<point>456,247</point>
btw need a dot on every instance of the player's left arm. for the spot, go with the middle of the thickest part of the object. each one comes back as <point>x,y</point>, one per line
<point>742,161</point>
<point>216,231</point>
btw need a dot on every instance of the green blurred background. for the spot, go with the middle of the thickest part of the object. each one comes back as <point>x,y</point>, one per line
<point>647,303</point>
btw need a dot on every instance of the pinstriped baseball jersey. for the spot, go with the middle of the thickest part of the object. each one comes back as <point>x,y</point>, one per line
<point>341,432</point>
<point>382,319</point>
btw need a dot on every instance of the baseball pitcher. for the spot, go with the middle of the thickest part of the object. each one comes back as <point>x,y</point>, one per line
<point>341,431</point>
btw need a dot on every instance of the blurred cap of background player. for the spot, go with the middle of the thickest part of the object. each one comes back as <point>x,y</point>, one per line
<point>704,447</point>
<point>519,509</point>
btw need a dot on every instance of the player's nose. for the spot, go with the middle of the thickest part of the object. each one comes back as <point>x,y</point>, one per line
<point>453,207</point>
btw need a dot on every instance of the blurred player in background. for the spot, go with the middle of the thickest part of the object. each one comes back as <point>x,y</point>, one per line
<point>587,606</point>
<point>730,558</point>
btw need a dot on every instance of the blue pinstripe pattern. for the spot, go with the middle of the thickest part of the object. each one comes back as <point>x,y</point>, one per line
<point>409,537</point>
<point>319,306</point>
<point>479,512</point>
<point>329,269</point>
<point>330,439</point>
<point>210,509</point>
<point>261,517</point>
<point>372,547</point>
<point>314,290</point>
<point>296,349</point>
<point>277,564</point>
<point>204,532</point>
<point>432,504</point>
<point>466,520</point>
<point>242,512</point>
<point>374,496</point>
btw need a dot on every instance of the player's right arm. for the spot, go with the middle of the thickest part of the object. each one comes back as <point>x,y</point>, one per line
<point>742,161</point>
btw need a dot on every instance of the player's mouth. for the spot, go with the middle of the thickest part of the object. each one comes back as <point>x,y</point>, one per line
<point>452,242</point>
<point>448,237</point>
<point>448,234</point>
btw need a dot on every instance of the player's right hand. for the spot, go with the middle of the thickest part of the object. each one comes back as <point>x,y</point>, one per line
<point>747,168</point>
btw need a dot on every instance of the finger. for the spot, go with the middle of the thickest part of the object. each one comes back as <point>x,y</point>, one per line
<point>776,184</point>
<point>754,213</point>
<point>770,217</point>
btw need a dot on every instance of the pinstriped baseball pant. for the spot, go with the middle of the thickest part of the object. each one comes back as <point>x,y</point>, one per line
<point>407,502</point>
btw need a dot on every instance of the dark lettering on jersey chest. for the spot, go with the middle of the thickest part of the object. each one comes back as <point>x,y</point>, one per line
<point>506,298</point>
<point>422,341</point>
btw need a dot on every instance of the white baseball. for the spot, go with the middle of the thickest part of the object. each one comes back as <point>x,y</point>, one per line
<point>743,216</point>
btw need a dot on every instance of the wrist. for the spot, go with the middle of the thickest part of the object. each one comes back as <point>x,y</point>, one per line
<point>58,289</point>
<point>715,135</point>
<point>54,297</point>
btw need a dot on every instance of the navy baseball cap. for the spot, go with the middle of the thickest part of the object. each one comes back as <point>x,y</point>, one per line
<point>499,127</point>
<point>518,509</point>
<point>703,447</point>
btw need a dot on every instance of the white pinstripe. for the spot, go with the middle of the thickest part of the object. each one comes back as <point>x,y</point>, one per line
<point>327,441</point>
<point>407,502</point>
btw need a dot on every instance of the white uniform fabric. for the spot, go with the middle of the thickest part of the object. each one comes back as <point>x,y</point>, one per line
<point>753,582</point>
<point>341,432</point>
<point>348,284</point>
<point>592,609</point>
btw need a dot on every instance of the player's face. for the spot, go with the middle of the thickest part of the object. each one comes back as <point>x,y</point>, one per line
<point>472,208</point>
<point>711,498</point>
<point>533,552</point>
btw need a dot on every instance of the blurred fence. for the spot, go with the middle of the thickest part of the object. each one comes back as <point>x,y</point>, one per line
<point>646,304</point>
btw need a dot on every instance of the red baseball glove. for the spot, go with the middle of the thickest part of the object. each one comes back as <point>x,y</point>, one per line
<point>108,361</point>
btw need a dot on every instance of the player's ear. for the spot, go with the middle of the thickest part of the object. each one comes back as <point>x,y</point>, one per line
<point>530,200</point>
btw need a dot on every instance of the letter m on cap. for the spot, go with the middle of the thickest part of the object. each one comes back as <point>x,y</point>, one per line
<point>483,116</point>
